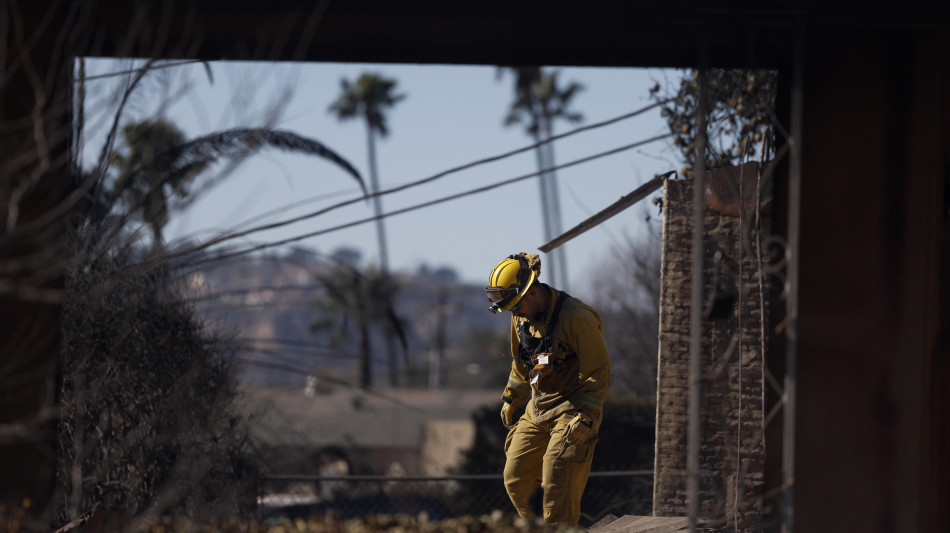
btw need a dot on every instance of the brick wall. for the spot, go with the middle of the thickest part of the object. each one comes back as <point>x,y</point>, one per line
<point>732,451</point>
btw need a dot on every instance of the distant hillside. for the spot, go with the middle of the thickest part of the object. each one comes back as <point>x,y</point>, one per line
<point>265,304</point>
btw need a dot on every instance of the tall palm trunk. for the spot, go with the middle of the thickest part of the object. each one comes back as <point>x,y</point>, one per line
<point>539,100</point>
<point>155,218</point>
<point>381,239</point>
<point>560,255</point>
<point>437,370</point>
<point>158,240</point>
<point>545,198</point>
<point>377,200</point>
<point>550,202</point>
<point>366,374</point>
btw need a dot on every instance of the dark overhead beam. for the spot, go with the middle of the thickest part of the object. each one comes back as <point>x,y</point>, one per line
<point>624,34</point>
<point>633,33</point>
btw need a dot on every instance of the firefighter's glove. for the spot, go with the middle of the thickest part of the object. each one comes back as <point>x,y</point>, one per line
<point>579,430</point>
<point>508,415</point>
<point>542,376</point>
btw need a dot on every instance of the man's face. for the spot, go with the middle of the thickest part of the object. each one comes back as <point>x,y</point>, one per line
<point>528,306</point>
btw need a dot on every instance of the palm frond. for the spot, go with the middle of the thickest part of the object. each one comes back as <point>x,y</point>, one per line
<point>208,149</point>
<point>193,157</point>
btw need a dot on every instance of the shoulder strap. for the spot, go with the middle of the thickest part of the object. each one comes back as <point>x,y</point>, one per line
<point>549,338</point>
<point>561,297</point>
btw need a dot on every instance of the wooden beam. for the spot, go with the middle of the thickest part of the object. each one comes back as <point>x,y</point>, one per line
<point>624,202</point>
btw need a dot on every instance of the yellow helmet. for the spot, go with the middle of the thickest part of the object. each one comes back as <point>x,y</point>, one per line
<point>510,280</point>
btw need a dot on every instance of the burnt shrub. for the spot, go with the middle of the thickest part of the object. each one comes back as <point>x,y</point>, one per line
<point>147,423</point>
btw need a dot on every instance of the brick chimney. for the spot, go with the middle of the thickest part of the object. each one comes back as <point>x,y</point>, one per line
<point>732,418</point>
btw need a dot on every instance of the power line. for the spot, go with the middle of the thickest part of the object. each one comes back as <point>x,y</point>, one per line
<point>240,306</point>
<point>429,179</point>
<point>299,203</point>
<point>431,202</point>
<point>289,342</point>
<point>249,290</point>
<point>249,342</point>
<point>282,353</point>
<point>332,380</point>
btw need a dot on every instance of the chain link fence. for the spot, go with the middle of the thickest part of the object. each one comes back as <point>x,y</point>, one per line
<point>618,493</point>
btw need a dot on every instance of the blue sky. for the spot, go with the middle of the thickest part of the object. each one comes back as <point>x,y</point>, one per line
<point>452,115</point>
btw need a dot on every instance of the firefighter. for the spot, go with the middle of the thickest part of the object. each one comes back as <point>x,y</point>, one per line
<point>560,372</point>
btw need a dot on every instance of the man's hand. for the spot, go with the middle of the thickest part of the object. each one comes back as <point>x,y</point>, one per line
<point>580,429</point>
<point>508,415</point>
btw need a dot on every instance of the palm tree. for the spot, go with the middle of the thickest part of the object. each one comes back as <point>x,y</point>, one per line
<point>363,300</point>
<point>158,164</point>
<point>369,98</point>
<point>142,168</point>
<point>539,101</point>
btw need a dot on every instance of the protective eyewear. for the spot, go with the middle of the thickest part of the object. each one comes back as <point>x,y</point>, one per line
<point>500,296</point>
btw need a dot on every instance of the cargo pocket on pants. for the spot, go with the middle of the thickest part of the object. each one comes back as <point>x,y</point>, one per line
<point>576,453</point>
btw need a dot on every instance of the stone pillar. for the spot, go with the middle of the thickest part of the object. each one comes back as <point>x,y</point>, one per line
<point>732,451</point>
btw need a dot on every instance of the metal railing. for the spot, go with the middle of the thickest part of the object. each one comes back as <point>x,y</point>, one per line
<point>619,493</point>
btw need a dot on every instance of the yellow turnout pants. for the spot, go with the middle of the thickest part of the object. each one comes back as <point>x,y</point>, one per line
<point>537,454</point>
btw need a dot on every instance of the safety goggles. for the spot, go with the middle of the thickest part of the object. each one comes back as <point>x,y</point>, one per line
<point>500,296</point>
